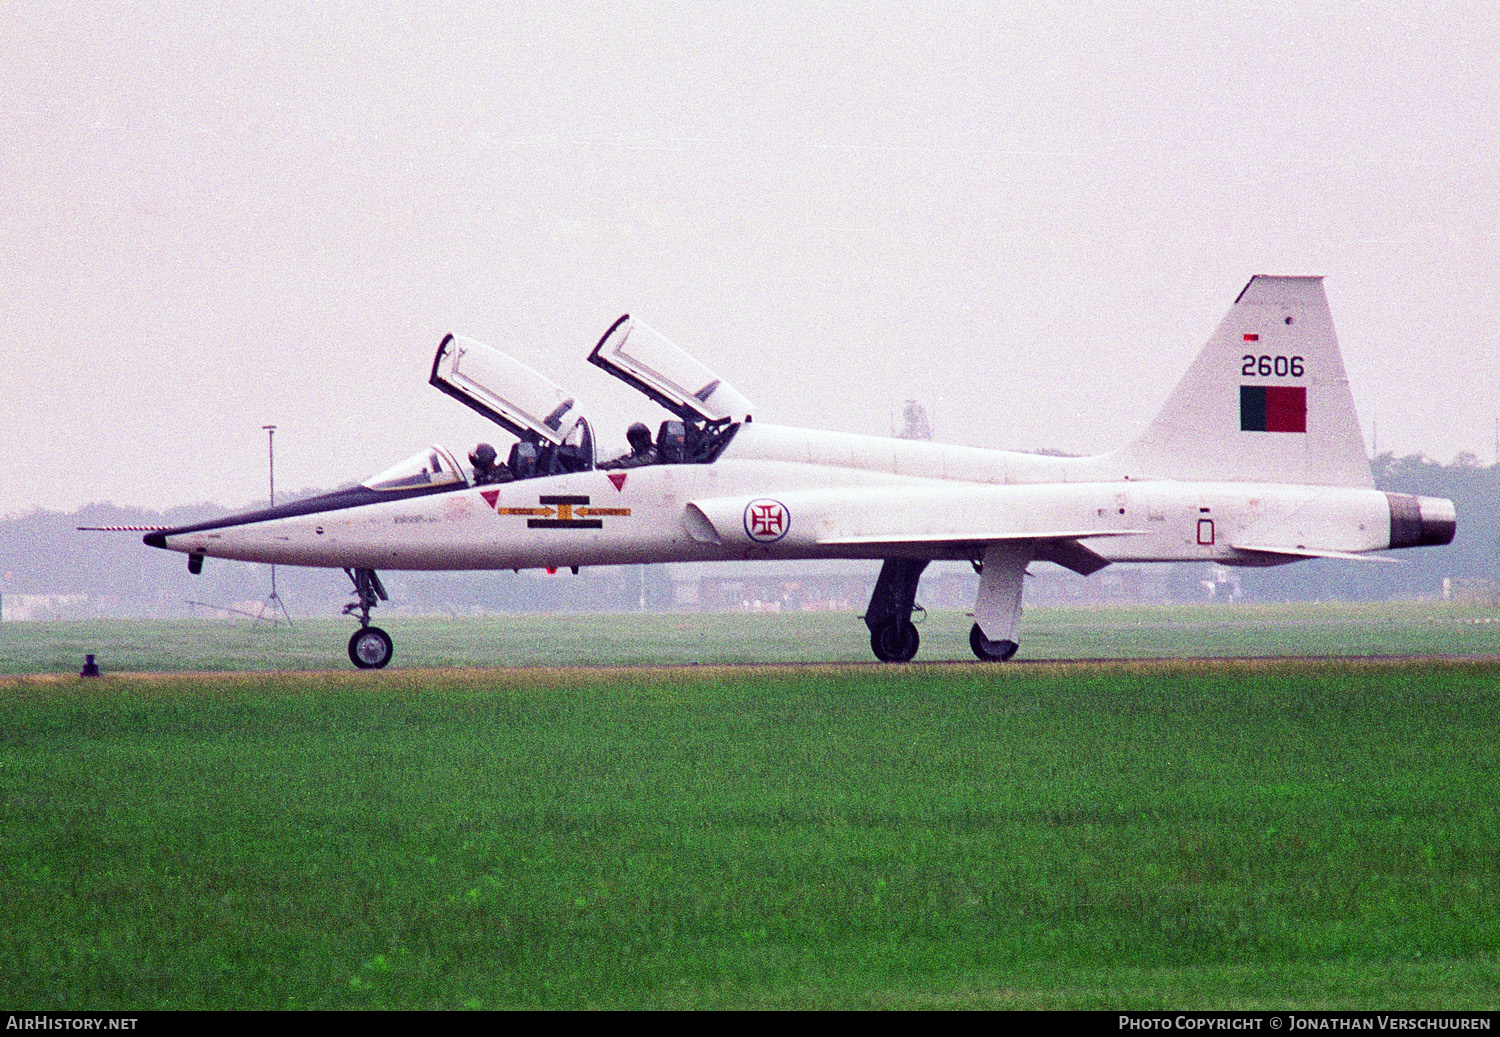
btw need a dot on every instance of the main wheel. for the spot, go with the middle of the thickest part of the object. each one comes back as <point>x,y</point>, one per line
<point>895,642</point>
<point>370,648</point>
<point>990,651</point>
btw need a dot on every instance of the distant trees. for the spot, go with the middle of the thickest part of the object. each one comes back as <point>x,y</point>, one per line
<point>1471,563</point>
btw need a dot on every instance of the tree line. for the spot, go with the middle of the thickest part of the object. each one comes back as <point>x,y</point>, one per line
<point>1471,563</point>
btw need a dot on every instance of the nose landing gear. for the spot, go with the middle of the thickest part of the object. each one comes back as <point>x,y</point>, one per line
<point>370,648</point>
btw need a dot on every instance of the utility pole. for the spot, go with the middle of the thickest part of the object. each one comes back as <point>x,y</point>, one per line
<point>271,458</point>
<point>274,602</point>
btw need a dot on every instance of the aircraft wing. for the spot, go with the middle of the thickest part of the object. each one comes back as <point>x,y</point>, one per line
<point>1054,519</point>
<point>1062,548</point>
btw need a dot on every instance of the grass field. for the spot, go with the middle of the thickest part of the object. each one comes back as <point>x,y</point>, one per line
<point>731,638</point>
<point>1181,834</point>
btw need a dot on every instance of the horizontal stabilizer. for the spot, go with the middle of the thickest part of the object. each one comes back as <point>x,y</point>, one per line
<point>978,536</point>
<point>1295,553</point>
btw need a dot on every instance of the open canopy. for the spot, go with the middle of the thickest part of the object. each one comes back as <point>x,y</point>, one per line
<point>523,401</point>
<point>647,361</point>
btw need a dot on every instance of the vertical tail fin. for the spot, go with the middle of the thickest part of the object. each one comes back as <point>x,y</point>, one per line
<point>1267,400</point>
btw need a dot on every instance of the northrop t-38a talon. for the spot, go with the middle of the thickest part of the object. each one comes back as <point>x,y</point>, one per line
<point>1255,459</point>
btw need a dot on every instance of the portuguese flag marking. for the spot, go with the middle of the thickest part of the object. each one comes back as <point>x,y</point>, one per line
<point>1273,408</point>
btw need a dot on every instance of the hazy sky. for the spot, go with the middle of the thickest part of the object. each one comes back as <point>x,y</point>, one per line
<point>1028,215</point>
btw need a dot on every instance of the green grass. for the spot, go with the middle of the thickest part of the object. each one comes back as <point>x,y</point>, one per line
<point>816,637</point>
<point>1122,835</point>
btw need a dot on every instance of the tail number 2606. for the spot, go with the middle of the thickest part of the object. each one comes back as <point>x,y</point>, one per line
<point>1265,366</point>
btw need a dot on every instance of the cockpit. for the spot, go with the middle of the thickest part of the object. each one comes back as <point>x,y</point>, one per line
<point>529,459</point>
<point>551,438</point>
<point>709,410</point>
<point>432,467</point>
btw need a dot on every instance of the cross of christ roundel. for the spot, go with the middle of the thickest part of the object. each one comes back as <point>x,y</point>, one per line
<point>766,520</point>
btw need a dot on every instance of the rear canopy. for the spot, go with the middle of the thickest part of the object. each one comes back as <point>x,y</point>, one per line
<point>648,362</point>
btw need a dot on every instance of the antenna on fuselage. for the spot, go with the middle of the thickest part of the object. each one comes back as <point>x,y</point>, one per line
<point>273,603</point>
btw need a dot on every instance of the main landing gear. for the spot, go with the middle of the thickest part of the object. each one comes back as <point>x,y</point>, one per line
<point>370,648</point>
<point>893,636</point>
<point>987,651</point>
<point>1002,571</point>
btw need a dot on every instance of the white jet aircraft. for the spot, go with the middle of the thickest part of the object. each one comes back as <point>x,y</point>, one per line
<point>1255,459</point>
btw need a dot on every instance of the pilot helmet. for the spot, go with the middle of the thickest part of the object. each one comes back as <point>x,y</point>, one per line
<point>639,437</point>
<point>483,456</point>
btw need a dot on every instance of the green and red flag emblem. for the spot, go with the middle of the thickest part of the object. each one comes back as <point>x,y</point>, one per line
<point>1273,408</point>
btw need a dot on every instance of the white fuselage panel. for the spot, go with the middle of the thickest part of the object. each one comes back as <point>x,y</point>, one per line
<point>780,493</point>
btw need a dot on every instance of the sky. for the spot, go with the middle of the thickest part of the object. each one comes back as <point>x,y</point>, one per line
<point>1028,216</point>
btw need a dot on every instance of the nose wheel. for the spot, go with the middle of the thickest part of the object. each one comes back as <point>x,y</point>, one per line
<point>370,648</point>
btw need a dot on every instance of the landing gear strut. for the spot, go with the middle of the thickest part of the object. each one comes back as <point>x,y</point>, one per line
<point>1002,572</point>
<point>370,648</point>
<point>893,636</point>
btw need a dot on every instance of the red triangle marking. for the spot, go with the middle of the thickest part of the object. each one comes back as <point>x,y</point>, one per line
<point>618,478</point>
<point>490,496</point>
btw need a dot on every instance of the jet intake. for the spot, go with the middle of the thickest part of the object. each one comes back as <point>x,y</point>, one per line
<point>1421,521</point>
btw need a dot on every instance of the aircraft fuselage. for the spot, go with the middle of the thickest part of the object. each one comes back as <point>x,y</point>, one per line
<point>873,505</point>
